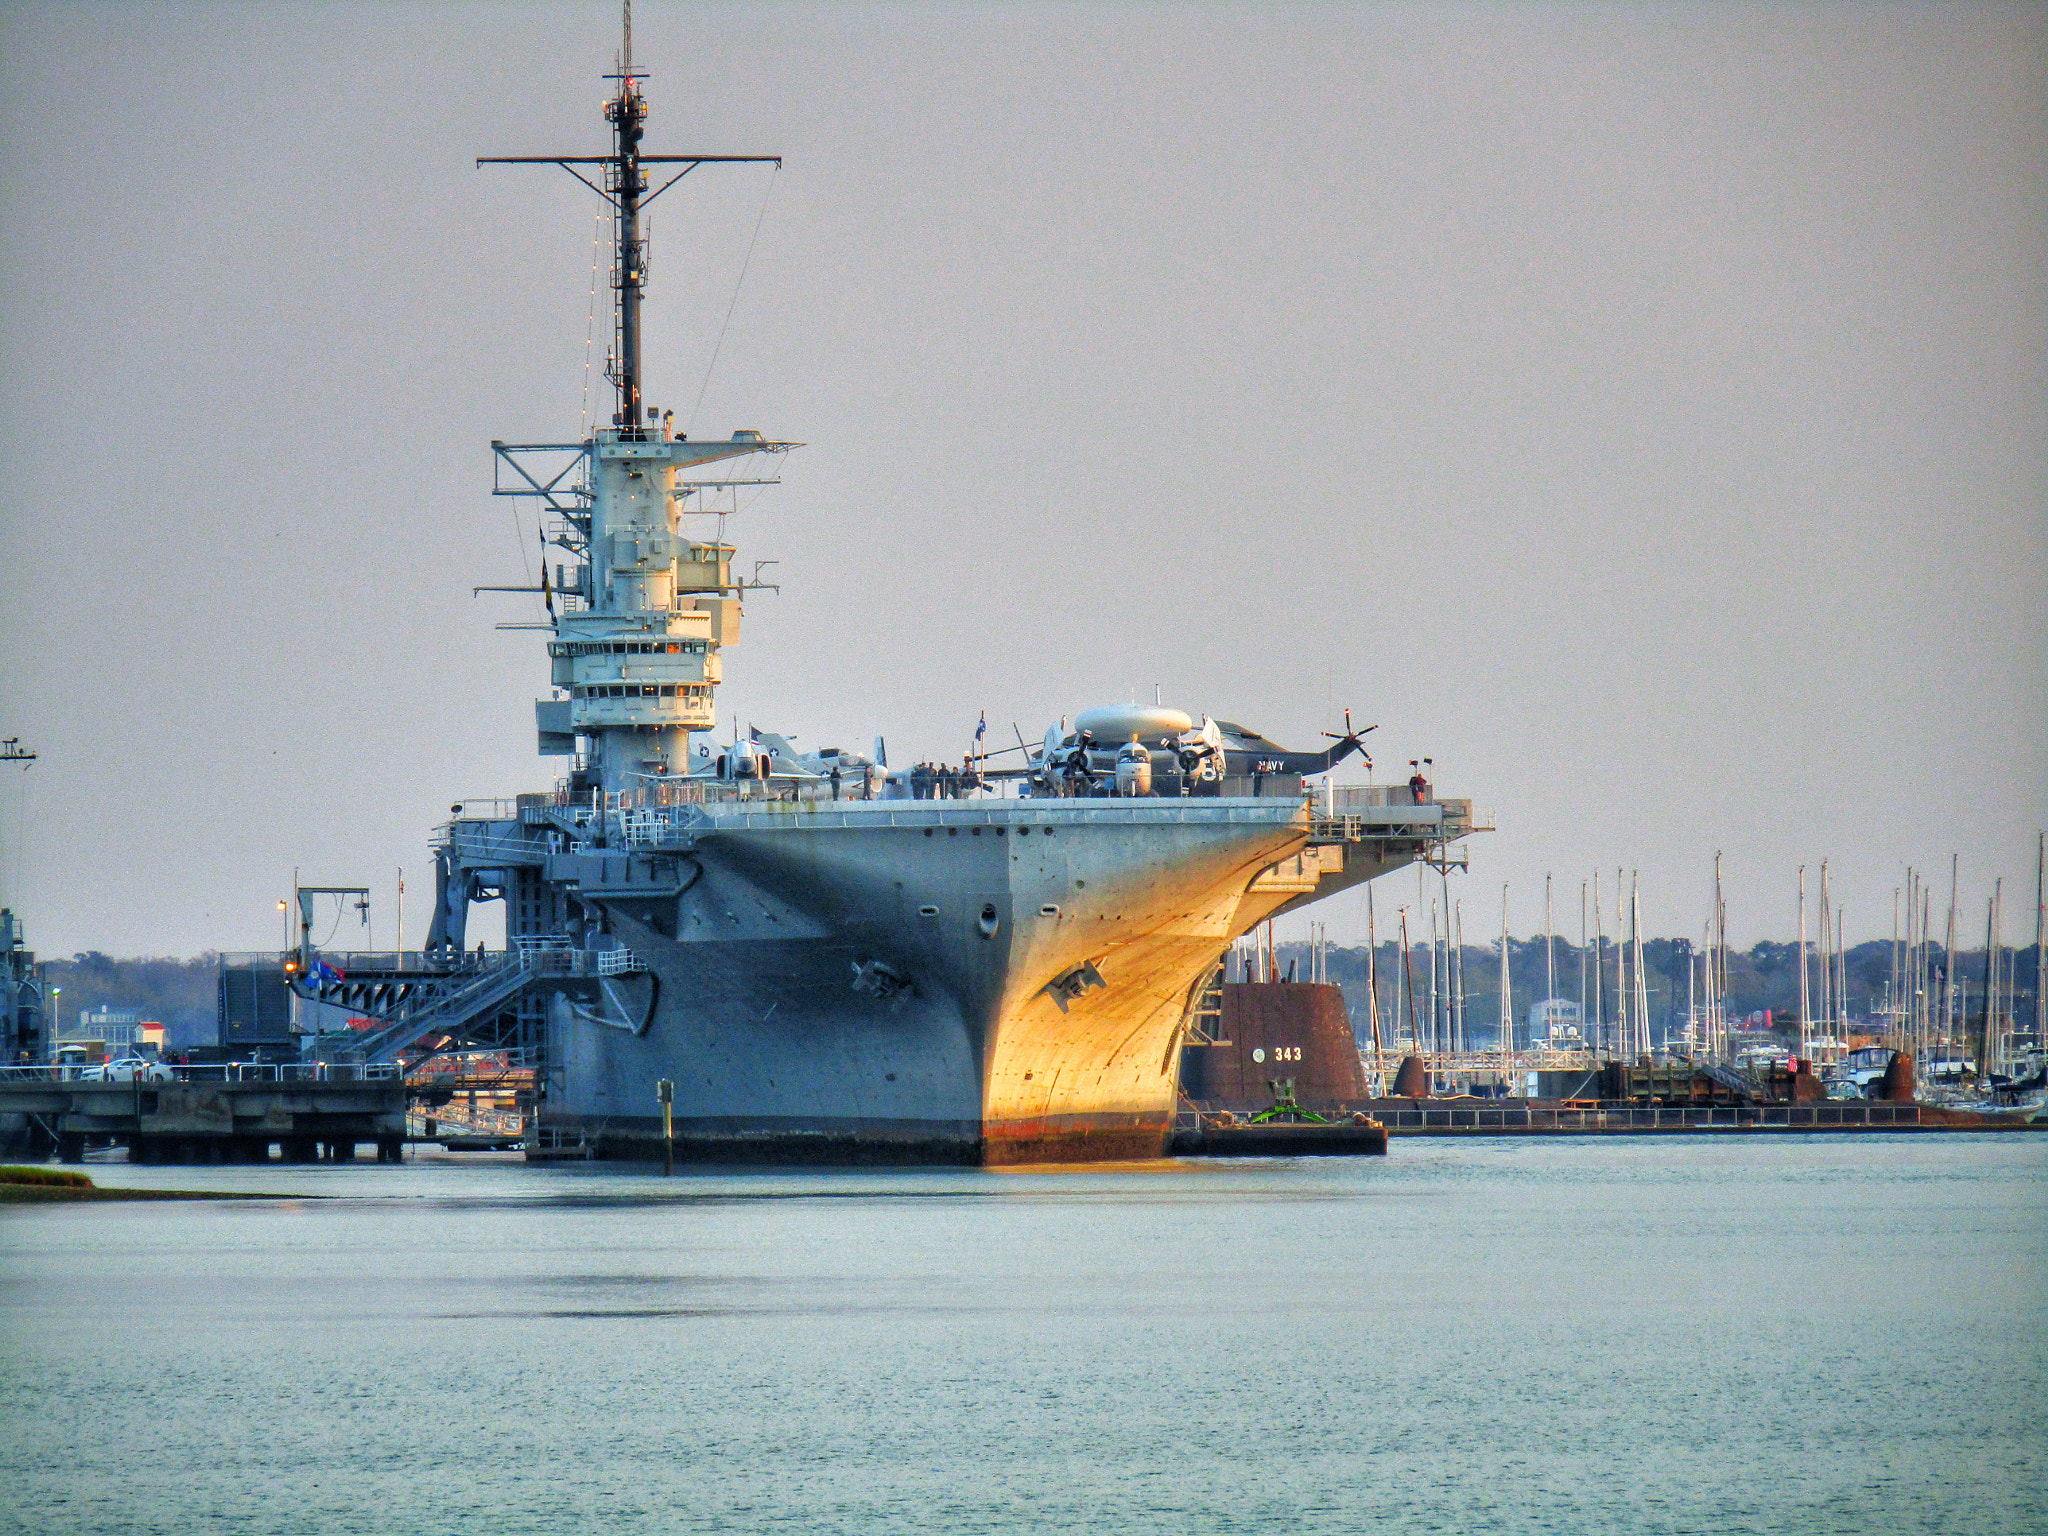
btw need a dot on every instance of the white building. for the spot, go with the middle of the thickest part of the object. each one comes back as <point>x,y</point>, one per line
<point>119,1029</point>
<point>1555,1019</point>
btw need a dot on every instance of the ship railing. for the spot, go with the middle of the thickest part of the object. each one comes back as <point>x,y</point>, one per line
<point>531,943</point>
<point>215,1072</point>
<point>474,1068</point>
<point>431,1124</point>
<point>1347,799</point>
<point>490,807</point>
<point>357,965</point>
<point>554,955</point>
<point>1375,805</point>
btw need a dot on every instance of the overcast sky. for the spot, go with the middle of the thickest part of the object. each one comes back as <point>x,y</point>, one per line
<point>1637,409</point>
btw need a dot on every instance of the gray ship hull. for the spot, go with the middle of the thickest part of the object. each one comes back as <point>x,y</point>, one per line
<point>982,982</point>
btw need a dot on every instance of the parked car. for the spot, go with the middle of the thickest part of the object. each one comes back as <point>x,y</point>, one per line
<point>129,1069</point>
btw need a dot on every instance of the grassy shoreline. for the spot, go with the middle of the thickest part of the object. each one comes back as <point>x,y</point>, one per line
<point>21,1185</point>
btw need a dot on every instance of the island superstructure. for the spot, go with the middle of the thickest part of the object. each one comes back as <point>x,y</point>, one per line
<point>811,955</point>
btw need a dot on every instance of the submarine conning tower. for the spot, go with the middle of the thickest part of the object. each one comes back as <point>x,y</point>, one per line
<point>640,618</point>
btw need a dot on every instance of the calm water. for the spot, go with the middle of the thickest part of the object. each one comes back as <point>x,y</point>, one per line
<point>1776,1335</point>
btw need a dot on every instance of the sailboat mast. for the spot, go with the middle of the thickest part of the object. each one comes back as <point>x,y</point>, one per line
<point>1805,996</point>
<point>2001,977</point>
<point>2041,938</point>
<point>1435,994</point>
<point>1408,979</point>
<point>1635,922</point>
<point>1909,991</point>
<point>1842,984</point>
<point>1948,952</point>
<point>1458,978</point>
<point>1507,991</point>
<point>1824,966</point>
<point>1582,958</point>
<point>1920,977</point>
<point>1549,943</point>
<point>1892,982</point>
<point>1717,987</point>
<point>1372,991</point>
<point>1623,1029</point>
<point>1990,990</point>
<point>1599,973</point>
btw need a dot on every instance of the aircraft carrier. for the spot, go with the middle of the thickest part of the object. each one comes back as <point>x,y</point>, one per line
<point>742,952</point>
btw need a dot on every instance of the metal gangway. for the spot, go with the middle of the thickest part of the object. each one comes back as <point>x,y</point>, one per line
<point>455,1003</point>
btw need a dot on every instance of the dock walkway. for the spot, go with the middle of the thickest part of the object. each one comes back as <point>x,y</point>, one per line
<point>1412,1117</point>
<point>215,1114</point>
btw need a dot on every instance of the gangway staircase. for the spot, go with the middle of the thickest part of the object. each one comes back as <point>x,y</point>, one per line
<point>465,1004</point>
<point>1746,1088</point>
<point>455,1007</point>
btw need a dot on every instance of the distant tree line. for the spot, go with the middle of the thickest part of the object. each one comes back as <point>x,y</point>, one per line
<point>182,995</point>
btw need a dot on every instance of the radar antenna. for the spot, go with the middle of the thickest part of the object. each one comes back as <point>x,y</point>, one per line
<point>622,183</point>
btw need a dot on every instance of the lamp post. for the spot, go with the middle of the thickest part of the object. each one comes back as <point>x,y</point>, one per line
<point>51,1030</point>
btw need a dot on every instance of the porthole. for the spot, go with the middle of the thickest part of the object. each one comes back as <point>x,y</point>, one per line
<point>927,831</point>
<point>927,911</point>
<point>952,831</point>
<point>976,831</point>
<point>1050,909</point>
